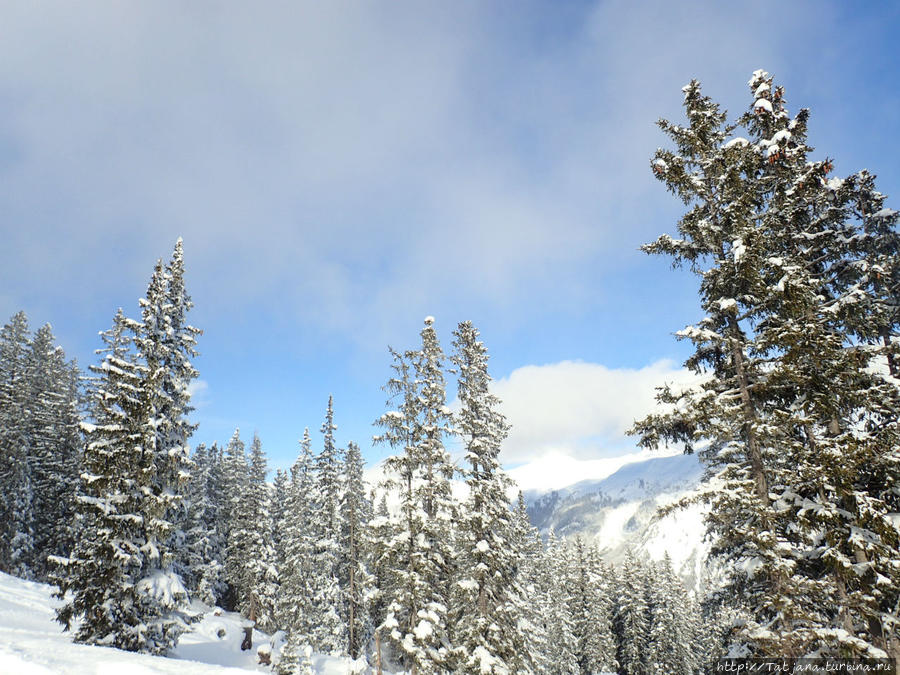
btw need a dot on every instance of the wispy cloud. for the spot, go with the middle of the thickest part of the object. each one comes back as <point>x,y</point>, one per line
<point>336,158</point>
<point>199,392</point>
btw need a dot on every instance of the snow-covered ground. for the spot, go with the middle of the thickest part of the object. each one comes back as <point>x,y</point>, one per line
<point>33,643</point>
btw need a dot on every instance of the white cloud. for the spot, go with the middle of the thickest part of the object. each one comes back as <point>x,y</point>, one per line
<point>199,393</point>
<point>578,410</point>
<point>556,470</point>
<point>341,159</point>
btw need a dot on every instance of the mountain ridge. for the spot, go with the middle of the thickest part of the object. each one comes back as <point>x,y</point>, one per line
<point>621,512</point>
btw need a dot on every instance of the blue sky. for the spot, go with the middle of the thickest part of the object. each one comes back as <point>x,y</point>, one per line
<point>338,171</point>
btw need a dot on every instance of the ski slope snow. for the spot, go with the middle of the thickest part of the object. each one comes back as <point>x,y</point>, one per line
<point>33,643</point>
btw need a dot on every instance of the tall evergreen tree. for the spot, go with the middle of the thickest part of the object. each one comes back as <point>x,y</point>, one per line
<point>529,557</point>
<point>218,503</point>
<point>603,580</point>
<point>278,525</point>
<point>422,552</point>
<point>329,633</point>
<point>594,647</point>
<point>560,647</point>
<point>166,343</point>
<point>52,426</point>
<point>355,578</point>
<point>98,580</point>
<point>381,551</point>
<point>201,555</point>
<point>328,484</point>
<point>235,477</point>
<point>258,583</point>
<point>489,602</point>
<point>832,320</point>
<point>295,609</point>
<point>630,618</point>
<point>16,471</point>
<point>40,448</point>
<point>670,637</point>
<point>727,413</point>
<point>136,469</point>
<point>799,286</point>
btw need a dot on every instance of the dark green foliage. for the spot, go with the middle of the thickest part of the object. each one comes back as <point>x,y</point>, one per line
<point>16,472</point>
<point>102,571</point>
<point>420,552</point>
<point>355,579</point>
<point>122,572</point>
<point>489,600</point>
<point>40,449</point>
<point>797,417</point>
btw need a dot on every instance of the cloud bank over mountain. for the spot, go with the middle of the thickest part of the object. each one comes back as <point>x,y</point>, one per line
<point>578,411</point>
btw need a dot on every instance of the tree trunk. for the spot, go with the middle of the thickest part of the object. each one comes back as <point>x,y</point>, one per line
<point>378,652</point>
<point>351,638</point>
<point>893,366</point>
<point>753,452</point>
<point>876,632</point>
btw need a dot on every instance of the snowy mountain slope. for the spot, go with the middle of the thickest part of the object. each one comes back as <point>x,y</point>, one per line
<point>621,511</point>
<point>32,643</point>
<point>616,506</point>
<point>634,480</point>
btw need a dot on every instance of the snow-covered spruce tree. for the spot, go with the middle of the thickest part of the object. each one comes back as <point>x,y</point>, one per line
<point>218,501</point>
<point>235,476</point>
<point>188,552</point>
<point>98,579</point>
<point>421,550</point>
<point>529,557</point>
<point>822,315</point>
<point>394,534</point>
<point>630,618</point>
<point>72,405</point>
<point>329,634</point>
<point>135,470</point>
<point>201,556</point>
<point>603,579</point>
<point>258,586</point>
<point>295,610</point>
<point>833,290</point>
<point>328,479</point>
<point>554,603</point>
<point>278,515</point>
<point>594,645</point>
<point>16,478</point>
<point>380,552</point>
<point>728,414</point>
<point>40,448</point>
<point>53,427</point>
<point>353,570</point>
<point>488,599</point>
<point>165,343</point>
<point>671,639</point>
